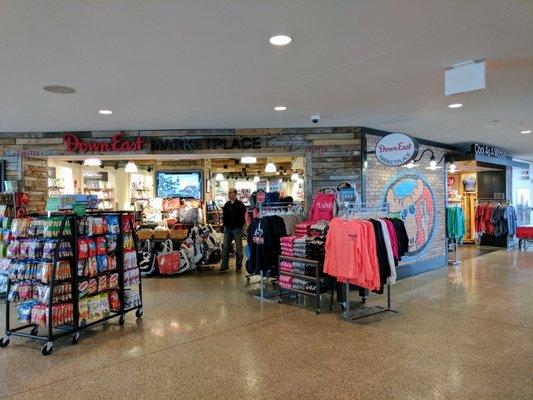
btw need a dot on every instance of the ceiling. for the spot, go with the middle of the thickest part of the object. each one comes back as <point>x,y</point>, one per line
<point>208,64</point>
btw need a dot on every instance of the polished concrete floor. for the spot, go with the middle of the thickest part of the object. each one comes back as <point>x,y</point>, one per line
<point>464,333</point>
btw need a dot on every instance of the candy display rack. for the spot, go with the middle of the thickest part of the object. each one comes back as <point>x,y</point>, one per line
<point>100,270</point>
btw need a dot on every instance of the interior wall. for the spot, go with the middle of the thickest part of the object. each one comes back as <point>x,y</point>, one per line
<point>412,190</point>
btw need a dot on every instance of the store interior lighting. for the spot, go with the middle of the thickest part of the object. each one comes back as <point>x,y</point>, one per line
<point>219,177</point>
<point>411,164</point>
<point>256,178</point>
<point>270,167</point>
<point>294,176</point>
<point>248,160</point>
<point>92,162</point>
<point>131,167</point>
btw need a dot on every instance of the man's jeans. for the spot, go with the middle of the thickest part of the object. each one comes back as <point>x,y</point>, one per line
<point>229,236</point>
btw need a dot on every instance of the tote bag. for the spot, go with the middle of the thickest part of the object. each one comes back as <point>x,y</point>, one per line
<point>168,261</point>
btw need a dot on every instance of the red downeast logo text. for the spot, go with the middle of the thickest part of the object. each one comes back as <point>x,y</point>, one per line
<point>117,144</point>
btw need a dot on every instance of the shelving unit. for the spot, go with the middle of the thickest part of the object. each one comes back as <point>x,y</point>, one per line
<point>214,218</point>
<point>318,279</point>
<point>97,184</point>
<point>66,320</point>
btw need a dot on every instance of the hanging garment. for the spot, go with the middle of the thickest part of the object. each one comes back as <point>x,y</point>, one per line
<point>510,217</point>
<point>390,255</point>
<point>345,194</point>
<point>455,223</point>
<point>322,208</point>
<point>381,252</point>
<point>351,253</point>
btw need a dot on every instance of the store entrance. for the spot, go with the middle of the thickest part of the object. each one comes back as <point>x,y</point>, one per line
<point>177,201</point>
<point>478,188</point>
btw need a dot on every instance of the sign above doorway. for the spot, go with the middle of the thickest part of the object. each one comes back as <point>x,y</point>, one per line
<point>74,144</point>
<point>396,149</point>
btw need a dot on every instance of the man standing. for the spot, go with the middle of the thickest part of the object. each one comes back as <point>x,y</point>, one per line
<point>233,214</point>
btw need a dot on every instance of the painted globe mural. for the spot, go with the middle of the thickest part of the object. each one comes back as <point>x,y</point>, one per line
<point>411,198</point>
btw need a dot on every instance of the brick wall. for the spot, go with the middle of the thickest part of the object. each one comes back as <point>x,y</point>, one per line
<point>420,193</point>
<point>35,182</point>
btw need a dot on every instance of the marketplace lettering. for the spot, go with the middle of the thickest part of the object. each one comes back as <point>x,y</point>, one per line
<point>117,144</point>
<point>205,144</point>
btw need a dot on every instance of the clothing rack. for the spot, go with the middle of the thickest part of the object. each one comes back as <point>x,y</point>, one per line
<point>279,208</point>
<point>364,211</point>
<point>266,209</point>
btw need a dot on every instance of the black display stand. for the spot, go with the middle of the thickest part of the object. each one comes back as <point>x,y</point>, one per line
<point>318,278</point>
<point>53,332</point>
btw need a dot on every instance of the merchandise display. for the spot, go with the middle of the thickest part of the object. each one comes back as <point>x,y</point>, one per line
<point>70,272</point>
<point>495,219</point>
<point>455,223</point>
<point>362,252</point>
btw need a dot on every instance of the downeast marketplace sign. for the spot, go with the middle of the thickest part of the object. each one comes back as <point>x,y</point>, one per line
<point>396,149</point>
<point>118,144</point>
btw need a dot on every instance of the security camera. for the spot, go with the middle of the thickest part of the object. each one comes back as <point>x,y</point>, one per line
<point>315,118</point>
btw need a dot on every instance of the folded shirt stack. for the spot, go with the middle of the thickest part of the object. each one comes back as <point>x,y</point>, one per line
<point>285,266</point>
<point>285,281</point>
<point>299,283</point>
<point>300,247</point>
<point>302,228</point>
<point>303,269</point>
<point>316,248</point>
<point>287,243</point>
<point>311,288</point>
<point>320,226</point>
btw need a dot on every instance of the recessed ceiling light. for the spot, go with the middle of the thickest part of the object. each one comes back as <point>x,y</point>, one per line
<point>455,105</point>
<point>280,108</point>
<point>280,40</point>
<point>105,112</point>
<point>527,132</point>
<point>58,89</point>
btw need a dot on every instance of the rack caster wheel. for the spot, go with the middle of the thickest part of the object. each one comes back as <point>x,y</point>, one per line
<point>4,341</point>
<point>317,312</point>
<point>75,338</point>
<point>34,331</point>
<point>363,300</point>
<point>121,320</point>
<point>139,312</point>
<point>47,349</point>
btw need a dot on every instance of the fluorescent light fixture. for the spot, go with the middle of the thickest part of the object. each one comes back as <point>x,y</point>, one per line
<point>219,177</point>
<point>455,105</point>
<point>256,178</point>
<point>526,132</point>
<point>433,167</point>
<point>280,40</point>
<point>270,168</point>
<point>92,162</point>
<point>295,176</point>
<point>433,161</point>
<point>280,108</point>
<point>248,160</point>
<point>105,112</point>
<point>131,168</point>
<point>411,164</point>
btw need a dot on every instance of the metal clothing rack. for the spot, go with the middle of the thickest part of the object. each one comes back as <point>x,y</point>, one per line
<point>355,210</point>
<point>318,278</point>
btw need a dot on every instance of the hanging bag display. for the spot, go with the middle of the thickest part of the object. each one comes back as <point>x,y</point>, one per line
<point>168,261</point>
<point>145,255</point>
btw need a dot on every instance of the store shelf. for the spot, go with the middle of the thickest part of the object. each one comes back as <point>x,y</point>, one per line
<point>86,278</point>
<point>298,259</point>
<point>97,189</point>
<point>311,278</point>
<point>299,291</point>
